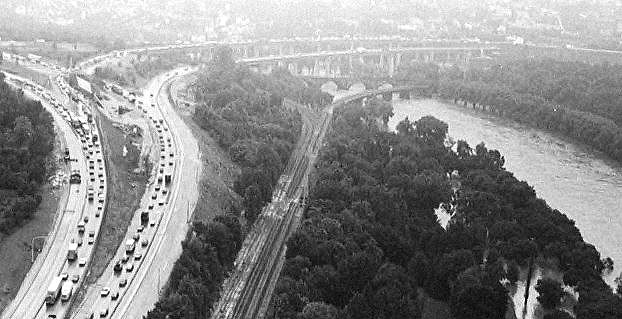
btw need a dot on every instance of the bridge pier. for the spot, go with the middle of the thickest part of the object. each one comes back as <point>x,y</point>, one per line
<point>391,66</point>
<point>316,67</point>
<point>293,68</point>
<point>327,67</point>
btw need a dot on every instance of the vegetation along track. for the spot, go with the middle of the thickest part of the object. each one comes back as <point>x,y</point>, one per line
<point>247,292</point>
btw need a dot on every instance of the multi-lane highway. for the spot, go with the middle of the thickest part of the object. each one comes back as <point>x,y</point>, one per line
<point>247,292</point>
<point>131,289</point>
<point>145,270</point>
<point>86,159</point>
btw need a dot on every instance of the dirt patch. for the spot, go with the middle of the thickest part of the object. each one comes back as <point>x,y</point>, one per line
<point>15,249</point>
<point>216,195</point>
<point>125,189</point>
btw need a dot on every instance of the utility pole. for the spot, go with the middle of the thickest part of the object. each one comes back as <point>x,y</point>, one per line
<point>159,292</point>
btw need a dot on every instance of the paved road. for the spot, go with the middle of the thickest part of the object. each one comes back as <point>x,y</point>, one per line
<point>151,272</point>
<point>247,292</point>
<point>52,261</point>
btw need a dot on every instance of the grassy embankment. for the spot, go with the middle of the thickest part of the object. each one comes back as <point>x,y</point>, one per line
<point>15,249</point>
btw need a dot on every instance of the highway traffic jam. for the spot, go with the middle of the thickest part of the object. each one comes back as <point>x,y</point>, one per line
<point>63,261</point>
<point>103,299</point>
<point>61,266</point>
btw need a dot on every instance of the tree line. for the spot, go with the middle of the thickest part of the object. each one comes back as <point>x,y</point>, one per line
<point>207,255</point>
<point>26,141</point>
<point>577,100</point>
<point>370,245</point>
<point>244,113</point>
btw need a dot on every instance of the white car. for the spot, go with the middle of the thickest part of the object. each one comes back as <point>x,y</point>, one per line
<point>82,262</point>
<point>105,291</point>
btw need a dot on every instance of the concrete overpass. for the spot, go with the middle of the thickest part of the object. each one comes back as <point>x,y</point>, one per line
<point>383,62</point>
<point>319,57</point>
<point>404,91</point>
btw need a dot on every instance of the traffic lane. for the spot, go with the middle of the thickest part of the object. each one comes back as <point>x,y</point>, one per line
<point>93,210</point>
<point>110,278</point>
<point>84,251</point>
<point>82,207</point>
<point>89,210</point>
<point>92,303</point>
<point>175,232</point>
<point>33,289</point>
<point>138,277</point>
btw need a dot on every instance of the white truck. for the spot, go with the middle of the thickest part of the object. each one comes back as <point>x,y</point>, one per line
<point>66,291</point>
<point>72,252</point>
<point>53,290</point>
<point>130,244</point>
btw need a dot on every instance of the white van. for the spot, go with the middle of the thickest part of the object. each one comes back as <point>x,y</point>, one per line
<point>66,291</point>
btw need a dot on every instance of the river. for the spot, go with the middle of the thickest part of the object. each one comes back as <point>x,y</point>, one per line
<point>572,178</point>
<point>575,179</point>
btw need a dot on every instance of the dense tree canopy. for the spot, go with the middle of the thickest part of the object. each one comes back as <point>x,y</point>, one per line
<point>245,113</point>
<point>26,140</point>
<point>208,253</point>
<point>549,293</point>
<point>370,238</point>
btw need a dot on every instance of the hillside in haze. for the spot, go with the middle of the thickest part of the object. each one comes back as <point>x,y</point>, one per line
<point>138,20</point>
<point>591,23</point>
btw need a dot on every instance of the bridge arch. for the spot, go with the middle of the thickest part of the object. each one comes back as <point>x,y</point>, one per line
<point>357,87</point>
<point>385,86</point>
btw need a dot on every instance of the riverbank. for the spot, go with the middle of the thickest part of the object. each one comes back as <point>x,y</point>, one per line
<point>571,178</point>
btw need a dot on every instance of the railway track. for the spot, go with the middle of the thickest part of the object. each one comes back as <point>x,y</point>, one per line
<point>247,292</point>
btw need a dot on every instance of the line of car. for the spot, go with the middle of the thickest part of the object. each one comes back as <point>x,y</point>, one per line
<point>136,246</point>
<point>86,132</point>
